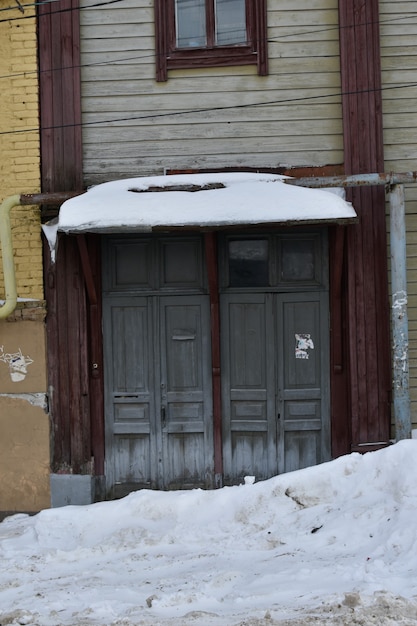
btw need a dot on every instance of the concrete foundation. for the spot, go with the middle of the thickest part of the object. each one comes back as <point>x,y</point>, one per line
<point>71,489</point>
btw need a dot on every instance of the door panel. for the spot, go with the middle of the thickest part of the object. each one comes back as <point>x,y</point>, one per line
<point>186,398</point>
<point>132,462</point>
<point>158,393</point>
<point>249,429</point>
<point>274,383</point>
<point>303,400</point>
<point>129,397</point>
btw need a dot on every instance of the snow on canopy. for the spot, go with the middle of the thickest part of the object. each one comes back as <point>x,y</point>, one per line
<point>199,200</point>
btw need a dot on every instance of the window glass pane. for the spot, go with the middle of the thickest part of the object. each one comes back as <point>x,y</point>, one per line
<point>298,260</point>
<point>248,263</point>
<point>190,20</point>
<point>230,22</point>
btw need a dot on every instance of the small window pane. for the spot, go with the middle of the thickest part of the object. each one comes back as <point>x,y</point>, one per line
<point>230,22</point>
<point>248,263</point>
<point>298,260</point>
<point>181,264</point>
<point>190,20</point>
<point>131,265</point>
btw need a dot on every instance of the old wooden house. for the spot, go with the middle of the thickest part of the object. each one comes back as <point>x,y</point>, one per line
<point>172,352</point>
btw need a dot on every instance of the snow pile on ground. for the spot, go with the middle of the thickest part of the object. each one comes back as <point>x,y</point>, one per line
<point>332,544</point>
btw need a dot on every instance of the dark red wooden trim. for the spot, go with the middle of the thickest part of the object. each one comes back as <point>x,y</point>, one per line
<point>170,57</point>
<point>339,363</point>
<point>262,37</point>
<point>75,355</point>
<point>68,388</point>
<point>210,242</point>
<point>366,247</point>
<point>161,46</point>
<point>90,254</point>
<point>243,55</point>
<point>88,273</point>
<point>210,21</point>
<point>298,172</point>
<point>96,367</point>
<point>337,253</point>
<point>50,272</point>
<point>361,86</point>
<point>60,99</point>
<point>61,170</point>
<point>77,359</point>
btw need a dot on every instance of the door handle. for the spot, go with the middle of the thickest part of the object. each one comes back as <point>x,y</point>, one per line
<point>163,416</point>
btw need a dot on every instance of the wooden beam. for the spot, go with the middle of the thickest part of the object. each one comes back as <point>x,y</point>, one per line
<point>213,279</point>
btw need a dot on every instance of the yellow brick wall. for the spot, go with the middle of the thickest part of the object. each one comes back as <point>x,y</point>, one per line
<point>19,142</point>
<point>24,421</point>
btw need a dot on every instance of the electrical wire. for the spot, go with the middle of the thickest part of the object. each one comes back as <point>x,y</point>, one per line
<point>133,118</point>
<point>66,10</point>
<point>191,111</point>
<point>152,55</point>
<point>28,5</point>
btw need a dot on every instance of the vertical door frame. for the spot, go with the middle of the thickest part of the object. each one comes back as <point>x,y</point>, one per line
<point>210,245</point>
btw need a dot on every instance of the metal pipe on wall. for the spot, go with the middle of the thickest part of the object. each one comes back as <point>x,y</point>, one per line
<point>7,256</point>
<point>399,316</point>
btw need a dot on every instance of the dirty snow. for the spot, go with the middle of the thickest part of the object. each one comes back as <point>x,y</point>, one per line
<point>331,544</point>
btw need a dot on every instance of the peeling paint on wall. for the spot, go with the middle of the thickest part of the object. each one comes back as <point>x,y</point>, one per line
<point>17,362</point>
<point>35,399</point>
<point>400,340</point>
<point>399,300</point>
<point>303,343</point>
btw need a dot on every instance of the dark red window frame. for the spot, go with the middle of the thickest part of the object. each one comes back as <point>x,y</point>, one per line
<point>168,56</point>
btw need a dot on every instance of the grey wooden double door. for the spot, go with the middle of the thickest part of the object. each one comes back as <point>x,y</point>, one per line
<point>275,397</point>
<point>158,381</point>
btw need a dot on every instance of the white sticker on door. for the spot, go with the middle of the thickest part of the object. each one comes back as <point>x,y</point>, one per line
<point>303,343</point>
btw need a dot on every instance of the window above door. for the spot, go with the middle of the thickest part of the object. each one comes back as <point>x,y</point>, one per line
<point>282,262</point>
<point>206,33</point>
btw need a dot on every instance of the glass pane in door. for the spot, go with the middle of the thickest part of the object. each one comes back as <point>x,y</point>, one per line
<point>298,257</point>
<point>248,263</point>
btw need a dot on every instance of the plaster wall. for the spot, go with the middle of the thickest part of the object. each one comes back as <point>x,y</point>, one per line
<point>24,421</point>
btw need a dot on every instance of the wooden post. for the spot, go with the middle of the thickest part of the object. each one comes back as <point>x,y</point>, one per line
<point>211,260</point>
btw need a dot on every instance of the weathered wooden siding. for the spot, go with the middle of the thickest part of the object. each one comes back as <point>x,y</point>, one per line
<point>399,94</point>
<point>216,117</point>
